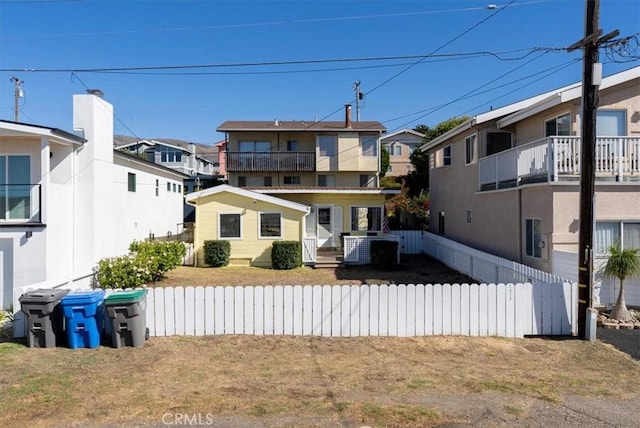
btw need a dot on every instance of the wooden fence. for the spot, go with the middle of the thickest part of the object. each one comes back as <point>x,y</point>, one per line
<point>410,241</point>
<point>507,310</point>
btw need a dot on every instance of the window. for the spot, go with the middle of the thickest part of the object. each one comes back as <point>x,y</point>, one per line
<point>397,150</point>
<point>168,186</point>
<point>15,187</point>
<point>254,146</point>
<point>179,188</point>
<point>169,154</point>
<point>611,123</point>
<point>267,182</point>
<point>270,225</point>
<point>369,146</point>
<point>468,216</point>
<point>560,125</point>
<point>327,145</point>
<point>498,142</point>
<point>470,145</point>
<point>242,181</point>
<point>366,219</point>
<point>291,179</point>
<point>229,226</point>
<point>157,187</point>
<point>367,181</point>
<point>533,240</point>
<point>390,169</point>
<point>608,234</point>
<point>174,187</point>
<point>292,146</point>
<point>326,180</point>
<point>446,156</point>
<point>131,182</point>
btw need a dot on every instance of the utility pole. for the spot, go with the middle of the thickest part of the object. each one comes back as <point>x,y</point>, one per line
<point>592,73</point>
<point>359,96</point>
<point>17,94</point>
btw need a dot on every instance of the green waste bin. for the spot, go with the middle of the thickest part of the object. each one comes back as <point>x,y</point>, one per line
<point>127,317</point>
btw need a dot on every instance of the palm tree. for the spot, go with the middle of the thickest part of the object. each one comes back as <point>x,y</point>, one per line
<point>622,264</point>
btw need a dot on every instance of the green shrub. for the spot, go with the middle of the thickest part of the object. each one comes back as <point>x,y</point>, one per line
<point>286,255</point>
<point>217,253</point>
<point>147,261</point>
<point>384,254</point>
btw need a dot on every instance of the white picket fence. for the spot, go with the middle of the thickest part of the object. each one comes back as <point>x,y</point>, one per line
<point>506,310</point>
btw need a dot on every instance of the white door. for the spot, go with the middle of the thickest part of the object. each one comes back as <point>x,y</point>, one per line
<point>324,216</point>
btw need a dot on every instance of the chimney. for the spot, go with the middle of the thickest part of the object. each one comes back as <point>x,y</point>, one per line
<point>96,92</point>
<point>347,116</point>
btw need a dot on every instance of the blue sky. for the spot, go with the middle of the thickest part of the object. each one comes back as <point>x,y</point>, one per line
<point>189,104</point>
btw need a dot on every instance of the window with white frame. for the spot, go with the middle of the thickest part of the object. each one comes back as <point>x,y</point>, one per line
<point>611,123</point>
<point>533,238</point>
<point>616,233</point>
<point>470,148</point>
<point>327,145</point>
<point>397,150</point>
<point>443,157</point>
<point>369,145</point>
<point>366,219</point>
<point>229,226</point>
<point>270,225</point>
<point>169,154</point>
<point>560,125</point>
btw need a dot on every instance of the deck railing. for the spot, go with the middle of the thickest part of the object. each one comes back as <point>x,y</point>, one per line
<point>271,161</point>
<point>555,158</point>
<point>20,203</point>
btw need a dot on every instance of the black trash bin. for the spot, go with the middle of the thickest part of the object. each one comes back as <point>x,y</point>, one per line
<point>126,311</point>
<point>44,317</point>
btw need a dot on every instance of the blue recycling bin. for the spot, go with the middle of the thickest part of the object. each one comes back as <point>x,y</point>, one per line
<point>84,318</point>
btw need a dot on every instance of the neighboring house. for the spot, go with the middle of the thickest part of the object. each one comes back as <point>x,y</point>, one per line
<point>68,200</point>
<point>401,145</point>
<point>198,161</point>
<point>322,176</point>
<point>507,181</point>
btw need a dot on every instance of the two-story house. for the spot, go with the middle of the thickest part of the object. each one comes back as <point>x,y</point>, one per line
<point>400,146</point>
<point>508,181</point>
<point>67,199</point>
<point>314,182</point>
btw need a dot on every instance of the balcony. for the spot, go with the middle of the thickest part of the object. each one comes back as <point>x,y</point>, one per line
<point>20,204</point>
<point>271,161</point>
<point>556,159</point>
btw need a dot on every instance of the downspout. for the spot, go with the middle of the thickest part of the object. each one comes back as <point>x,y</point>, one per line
<point>519,225</point>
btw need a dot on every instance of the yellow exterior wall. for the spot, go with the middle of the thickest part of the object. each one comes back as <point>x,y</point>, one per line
<point>250,246</point>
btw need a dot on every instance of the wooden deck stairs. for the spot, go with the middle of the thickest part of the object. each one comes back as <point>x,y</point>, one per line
<point>329,258</point>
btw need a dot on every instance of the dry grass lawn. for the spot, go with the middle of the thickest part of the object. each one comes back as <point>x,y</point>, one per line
<point>414,269</point>
<point>303,381</point>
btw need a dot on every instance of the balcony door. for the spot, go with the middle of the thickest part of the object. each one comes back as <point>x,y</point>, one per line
<point>15,187</point>
<point>329,220</point>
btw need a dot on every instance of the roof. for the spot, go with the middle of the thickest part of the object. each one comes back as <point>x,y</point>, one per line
<point>331,190</point>
<point>517,111</point>
<point>27,128</point>
<point>402,131</point>
<point>298,126</point>
<point>202,151</point>
<point>247,194</point>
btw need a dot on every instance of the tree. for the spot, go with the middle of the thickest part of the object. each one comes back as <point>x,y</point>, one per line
<point>622,264</point>
<point>384,161</point>
<point>418,179</point>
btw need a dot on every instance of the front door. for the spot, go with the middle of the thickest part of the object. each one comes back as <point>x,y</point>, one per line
<point>324,227</point>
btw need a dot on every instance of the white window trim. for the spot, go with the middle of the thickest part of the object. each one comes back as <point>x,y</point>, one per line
<point>555,117</point>
<point>272,238</point>
<point>241,228</point>
<point>533,256</point>
<point>376,146</point>
<point>474,158</point>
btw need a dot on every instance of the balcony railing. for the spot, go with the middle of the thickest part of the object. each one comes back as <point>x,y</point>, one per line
<point>20,203</point>
<point>271,161</point>
<point>555,159</point>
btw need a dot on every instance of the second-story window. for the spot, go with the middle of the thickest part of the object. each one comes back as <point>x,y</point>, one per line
<point>267,181</point>
<point>242,181</point>
<point>327,145</point>
<point>397,150</point>
<point>498,142</point>
<point>470,147</point>
<point>446,156</point>
<point>131,182</point>
<point>367,181</point>
<point>169,154</point>
<point>369,146</point>
<point>291,179</point>
<point>325,180</point>
<point>560,125</point>
<point>292,146</point>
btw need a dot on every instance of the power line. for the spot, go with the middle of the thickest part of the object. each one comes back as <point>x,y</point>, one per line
<point>498,55</point>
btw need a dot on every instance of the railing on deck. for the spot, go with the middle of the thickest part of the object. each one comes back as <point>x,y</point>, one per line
<point>271,161</point>
<point>20,203</point>
<point>552,158</point>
